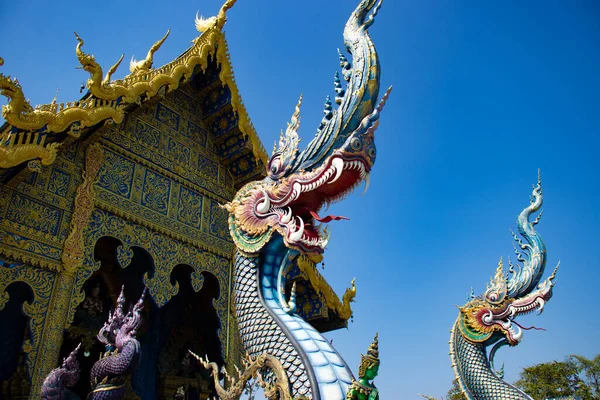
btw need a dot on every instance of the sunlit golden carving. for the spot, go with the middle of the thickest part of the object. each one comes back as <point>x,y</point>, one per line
<point>307,264</point>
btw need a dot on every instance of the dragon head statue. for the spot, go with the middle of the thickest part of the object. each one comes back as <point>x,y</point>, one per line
<point>299,183</point>
<point>70,366</point>
<point>122,326</point>
<point>131,323</point>
<point>490,318</point>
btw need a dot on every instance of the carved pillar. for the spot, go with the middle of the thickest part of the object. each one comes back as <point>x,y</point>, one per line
<point>72,258</point>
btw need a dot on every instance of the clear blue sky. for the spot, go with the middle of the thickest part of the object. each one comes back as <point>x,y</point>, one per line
<point>485,93</point>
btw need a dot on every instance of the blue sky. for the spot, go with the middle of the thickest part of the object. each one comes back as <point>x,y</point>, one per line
<point>485,93</point>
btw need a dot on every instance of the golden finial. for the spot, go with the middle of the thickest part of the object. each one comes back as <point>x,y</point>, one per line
<point>204,24</point>
<point>221,16</point>
<point>1,61</point>
<point>112,70</point>
<point>146,64</point>
<point>55,99</point>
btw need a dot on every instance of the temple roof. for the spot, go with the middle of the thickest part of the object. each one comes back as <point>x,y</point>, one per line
<point>33,135</point>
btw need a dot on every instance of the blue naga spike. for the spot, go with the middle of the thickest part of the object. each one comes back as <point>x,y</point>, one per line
<point>292,300</point>
<point>511,268</point>
<point>519,255</point>
<point>328,113</point>
<point>339,91</point>
<point>328,110</point>
<point>538,218</point>
<point>523,246</point>
<point>373,14</point>
<point>501,372</point>
<point>346,66</point>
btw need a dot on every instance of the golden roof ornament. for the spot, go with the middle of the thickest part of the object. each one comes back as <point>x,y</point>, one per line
<point>108,98</point>
<point>218,21</point>
<point>145,65</point>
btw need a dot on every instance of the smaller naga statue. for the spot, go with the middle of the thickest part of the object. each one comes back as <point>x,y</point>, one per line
<point>123,351</point>
<point>488,320</point>
<point>56,384</point>
<point>109,374</point>
<point>364,389</point>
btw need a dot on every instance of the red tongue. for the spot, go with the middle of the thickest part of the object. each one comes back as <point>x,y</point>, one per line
<point>531,327</point>
<point>326,219</point>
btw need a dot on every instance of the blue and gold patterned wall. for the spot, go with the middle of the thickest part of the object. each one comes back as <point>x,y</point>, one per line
<point>36,209</point>
<point>164,173</point>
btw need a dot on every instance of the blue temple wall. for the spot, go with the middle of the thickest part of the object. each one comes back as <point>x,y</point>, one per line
<point>159,188</point>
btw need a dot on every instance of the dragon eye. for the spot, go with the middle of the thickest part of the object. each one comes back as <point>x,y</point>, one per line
<point>355,144</point>
<point>372,152</point>
<point>275,165</point>
<point>494,297</point>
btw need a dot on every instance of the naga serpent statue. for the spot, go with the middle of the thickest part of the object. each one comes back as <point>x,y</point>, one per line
<point>489,319</point>
<point>56,384</point>
<point>123,351</point>
<point>273,220</point>
<point>108,375</point>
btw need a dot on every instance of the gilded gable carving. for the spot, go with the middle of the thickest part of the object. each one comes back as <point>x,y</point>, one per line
<point>116,175</point>
<point>155,192</point>
<point>59,182</point>
<point>167,116</point>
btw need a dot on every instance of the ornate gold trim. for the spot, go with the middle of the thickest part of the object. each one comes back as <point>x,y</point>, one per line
<point>18,148</point>
<point>55,117</point>
<point>177,178</point>
<point>245,125</point>
<point>145,65</point>
<point>280,389</point>
<point>15,247</point>
<point>307,264</point>
<point>73,250</point>
<point>108,98</point>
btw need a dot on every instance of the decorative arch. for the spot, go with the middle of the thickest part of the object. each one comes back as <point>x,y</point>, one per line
<point>189,321</point>
<point>41,283</point>
<point>165,252</point>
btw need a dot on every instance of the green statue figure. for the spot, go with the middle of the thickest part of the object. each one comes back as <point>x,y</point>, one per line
<point>363,389</point>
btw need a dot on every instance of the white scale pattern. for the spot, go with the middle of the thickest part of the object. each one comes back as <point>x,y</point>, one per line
<point>259,332</point>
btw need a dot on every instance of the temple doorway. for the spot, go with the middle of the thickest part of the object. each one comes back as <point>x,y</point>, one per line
<point>14,381</point>
<point>101,292</point>
<point>188,322</point>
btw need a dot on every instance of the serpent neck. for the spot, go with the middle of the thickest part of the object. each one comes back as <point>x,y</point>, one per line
<point>474,373</point>
<point>313,366</point>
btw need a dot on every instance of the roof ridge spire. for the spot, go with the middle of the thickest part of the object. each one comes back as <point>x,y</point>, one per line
<point>218,21</point>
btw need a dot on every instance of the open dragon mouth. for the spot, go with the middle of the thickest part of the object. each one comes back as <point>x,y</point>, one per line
<point>526,305</point>
<point>296,203</point>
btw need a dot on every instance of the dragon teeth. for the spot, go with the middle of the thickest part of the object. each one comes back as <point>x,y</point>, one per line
<point>297,235</point>
<point>338,164</point>
<point>297,189</point>
<point>287,215</point>
<point>264,206</point>
<point>367,179</point>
